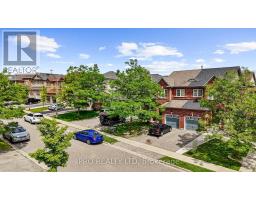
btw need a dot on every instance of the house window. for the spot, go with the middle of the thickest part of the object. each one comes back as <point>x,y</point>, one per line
<point>197,92</point>
<point>180,92</point>
<point>165,92</point>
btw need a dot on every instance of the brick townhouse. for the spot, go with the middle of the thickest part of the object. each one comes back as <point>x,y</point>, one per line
<point>182,92</point>
<point>35,82</point>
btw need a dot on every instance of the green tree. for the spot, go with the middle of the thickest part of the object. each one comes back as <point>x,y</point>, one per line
<point>56,142</point>
<point>43,94</point>
<point>83,86</point>
<point>11,92</point>
<point>233,106</point>
<point>134,93</point>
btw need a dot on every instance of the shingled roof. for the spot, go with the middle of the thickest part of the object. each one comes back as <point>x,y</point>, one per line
<point>111,75</point>
<point>40,76</point>
<point>185,104</point>
<point>197,77</point>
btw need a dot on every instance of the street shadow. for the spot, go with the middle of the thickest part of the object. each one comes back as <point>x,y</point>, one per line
<point>186,138</point>
<point>20,145</point>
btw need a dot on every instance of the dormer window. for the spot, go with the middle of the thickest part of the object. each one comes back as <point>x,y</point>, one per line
<point>197,92</point>
<point>192,80</point>
<point>180,92</point>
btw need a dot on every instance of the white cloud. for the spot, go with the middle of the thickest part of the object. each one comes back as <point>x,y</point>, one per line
<point>165,67</point>
<point>127,48</point>
<point>144,51</point>
<point>110,65</point>
<point>200,60</point>
<point>84,56</point>
<point>53,55</point>
<point>64,62</point>
<point>218,60</point>
<point>102,48</point>
<point>219,52</point>
<point>43,44</point>
<point>236,48</point>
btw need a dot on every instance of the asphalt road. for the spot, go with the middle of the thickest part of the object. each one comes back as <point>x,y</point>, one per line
<point>102,157</point>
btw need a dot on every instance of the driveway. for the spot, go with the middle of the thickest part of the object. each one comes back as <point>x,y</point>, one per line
<point>172,141</point>
<point>102,157</point>
<point>90,123</point>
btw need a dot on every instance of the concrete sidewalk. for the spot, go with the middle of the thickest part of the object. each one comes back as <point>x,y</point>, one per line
<point>155,149</point>
<point>196,142</point>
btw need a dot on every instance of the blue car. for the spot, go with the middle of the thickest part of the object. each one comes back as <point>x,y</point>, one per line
<point>89,136</point>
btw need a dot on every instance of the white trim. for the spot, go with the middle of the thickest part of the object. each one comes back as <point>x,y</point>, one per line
<point>185,120</point>
<point>180,89</point>
<point>172,116</point>
<point>197,89</point>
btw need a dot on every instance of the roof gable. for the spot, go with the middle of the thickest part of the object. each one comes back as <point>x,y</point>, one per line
<point>198,77</point>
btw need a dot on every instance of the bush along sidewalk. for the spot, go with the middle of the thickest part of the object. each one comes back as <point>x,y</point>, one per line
<point>128,129</point>
<point>184,165</point>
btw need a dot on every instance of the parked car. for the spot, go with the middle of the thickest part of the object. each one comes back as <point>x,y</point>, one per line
<point>33,118</point>
<point>107,120</point>
<point>55,107</point>
<point>32,101</point>
<point>16,134</point>
<point>89,136</point>
<point>159,129</point>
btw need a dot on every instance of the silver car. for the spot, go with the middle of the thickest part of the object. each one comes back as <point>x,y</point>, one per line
<point>17,134</point>
<point>55,107</point>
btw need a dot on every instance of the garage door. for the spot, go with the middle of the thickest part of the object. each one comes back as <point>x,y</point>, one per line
<point>172,120</point>
<point>191,123</point>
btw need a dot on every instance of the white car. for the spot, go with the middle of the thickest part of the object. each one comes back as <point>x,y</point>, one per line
<point>33,118</point>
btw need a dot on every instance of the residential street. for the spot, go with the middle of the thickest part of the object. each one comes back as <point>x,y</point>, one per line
<point>102,157</point>
<point>12,161</point>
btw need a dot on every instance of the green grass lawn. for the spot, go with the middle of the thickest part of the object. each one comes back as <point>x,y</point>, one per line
<point>73,116</point>
<point>38,110</point>
<point>109,139</point>
<point>129,128</point>
<point>184,165</point>
<point>4,146</point>
<point>217,152</point>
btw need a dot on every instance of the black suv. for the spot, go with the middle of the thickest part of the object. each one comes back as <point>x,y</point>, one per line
<point>32,101</point>
<point>158,129</point>
<point>107,120</point>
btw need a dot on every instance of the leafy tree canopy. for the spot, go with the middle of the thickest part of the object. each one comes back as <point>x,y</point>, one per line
<point>134,93</point>
<point>56,142</point>
<point>233,106</point>
<point>83,86</point>
<point>11,92</point>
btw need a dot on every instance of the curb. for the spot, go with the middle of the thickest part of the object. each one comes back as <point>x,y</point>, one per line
<point>24,154</point>
<point>158,150</point>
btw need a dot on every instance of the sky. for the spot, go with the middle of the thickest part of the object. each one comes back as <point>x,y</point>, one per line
<point>159,50</point>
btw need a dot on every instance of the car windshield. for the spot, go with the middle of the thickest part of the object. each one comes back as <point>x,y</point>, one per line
<point>18,130</point>
<point>39,115</point>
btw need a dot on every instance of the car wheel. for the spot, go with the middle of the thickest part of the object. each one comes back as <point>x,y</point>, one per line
<point>31,122</point>
<point>88,141</point>
<point>11,140</point>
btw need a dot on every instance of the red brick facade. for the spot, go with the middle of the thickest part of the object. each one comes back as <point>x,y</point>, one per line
<point>182,113</point>
<point>170,94</point>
